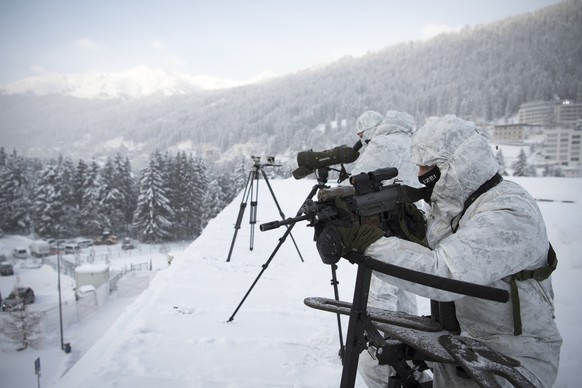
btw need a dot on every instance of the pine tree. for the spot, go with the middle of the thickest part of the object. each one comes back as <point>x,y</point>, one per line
<point>520,167</point>
<point>66,173</point>
<point>78,182</point>
<point>188,182</point>
<point>198,189</point>
<point>111,199</point>
<point>214,201</point>
<point>126,184</point>
<point>180,177</point>
<point>92,222</point>
<point>79,177</point>
<point>23,327</point>
<point>14,194</point>
<point>547,170</point>
<point>232,180</point>
<point>152,219</point>
<point>2,157</point>
<point>48,208</point>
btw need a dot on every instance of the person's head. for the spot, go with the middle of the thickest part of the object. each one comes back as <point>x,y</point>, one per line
<point>454,157</point>
<point>398,122</point>
<point>367,124</point>
<point>428,175</point>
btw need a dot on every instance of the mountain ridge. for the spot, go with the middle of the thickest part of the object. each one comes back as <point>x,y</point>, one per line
<point>481,74</point>
<point>138,82</point>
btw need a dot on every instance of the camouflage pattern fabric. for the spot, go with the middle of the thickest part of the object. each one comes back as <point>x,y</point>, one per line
<point>500,234</point>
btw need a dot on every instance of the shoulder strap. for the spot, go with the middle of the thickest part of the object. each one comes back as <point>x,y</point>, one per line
<point>491,183</point>
<point>538,274</point>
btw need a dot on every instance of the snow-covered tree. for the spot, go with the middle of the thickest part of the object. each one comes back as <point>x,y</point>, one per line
<point>66,172</point>
<point>23,327</point>
<point>125,182</point>
<point>180,176</point>
<point>198,189</point>
<point>558,171</point>
<point>2,157</point>
<point>214,201</point>
<point>48,206</point>
<point>153,215</point>
<point>112,200</point>
<point>232,179</point>
<point>14,194</point>
<point>520,167</point>
<point>91,220</point>
<point>79,181</point>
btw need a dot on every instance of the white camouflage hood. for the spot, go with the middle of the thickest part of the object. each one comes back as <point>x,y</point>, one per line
<point>394,122</point>
<point>465,159</point>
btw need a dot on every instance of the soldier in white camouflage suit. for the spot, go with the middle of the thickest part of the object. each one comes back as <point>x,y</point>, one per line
<point>501,233</point>
<point>386,141</point>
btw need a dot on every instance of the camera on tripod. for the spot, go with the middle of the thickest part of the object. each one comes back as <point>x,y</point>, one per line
<point>252,191</point>
<point>270,161</point>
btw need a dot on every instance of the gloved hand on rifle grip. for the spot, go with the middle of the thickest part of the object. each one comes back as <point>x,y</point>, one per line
<point>344,235</point>
<point>413,224</point>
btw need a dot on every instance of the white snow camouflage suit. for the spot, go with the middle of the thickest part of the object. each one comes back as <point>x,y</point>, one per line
<point>387,145</point>
<point>500,234</point>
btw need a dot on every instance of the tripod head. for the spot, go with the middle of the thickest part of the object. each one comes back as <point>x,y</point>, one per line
<point>322,174</point>
<point>270,162</point>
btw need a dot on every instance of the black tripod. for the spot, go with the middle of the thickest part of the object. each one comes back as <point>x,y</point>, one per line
<point>321,174</point>
<point>252,190</point>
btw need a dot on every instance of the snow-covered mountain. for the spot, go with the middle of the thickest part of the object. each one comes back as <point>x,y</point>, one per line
<point>483,74</point>
<point>141,81</point>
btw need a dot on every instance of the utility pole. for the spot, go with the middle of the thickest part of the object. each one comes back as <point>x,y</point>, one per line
<point>37,371</point>
<point>66,347</point>
<point>59,287</point>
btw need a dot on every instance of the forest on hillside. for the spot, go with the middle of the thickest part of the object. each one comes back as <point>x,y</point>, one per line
<point>171,199</point>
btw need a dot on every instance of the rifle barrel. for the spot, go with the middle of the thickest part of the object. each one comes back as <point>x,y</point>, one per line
<point>276,224</point>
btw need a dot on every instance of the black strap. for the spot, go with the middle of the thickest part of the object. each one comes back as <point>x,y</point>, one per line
<point>445,314</point>
<point>538,274</point>
<point>491,183</point>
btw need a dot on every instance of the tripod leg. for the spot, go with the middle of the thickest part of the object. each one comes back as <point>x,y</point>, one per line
<point>280,211</point>
<point>334,283</point>
<point>281,241</point>
<point>254,203</point>
<point>241,211</point>
<point>264,268</point>
<point>355,341</point>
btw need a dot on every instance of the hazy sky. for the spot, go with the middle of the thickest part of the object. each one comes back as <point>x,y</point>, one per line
<point>229,39</point>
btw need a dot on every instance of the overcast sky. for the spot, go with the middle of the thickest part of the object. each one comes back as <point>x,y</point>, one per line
<point>231,39</point>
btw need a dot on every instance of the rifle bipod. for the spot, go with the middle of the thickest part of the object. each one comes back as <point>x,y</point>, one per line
<point>410,341</point>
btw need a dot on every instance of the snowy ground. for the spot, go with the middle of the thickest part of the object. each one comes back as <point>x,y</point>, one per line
<point>177,334</point>
<point>17,368</point>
